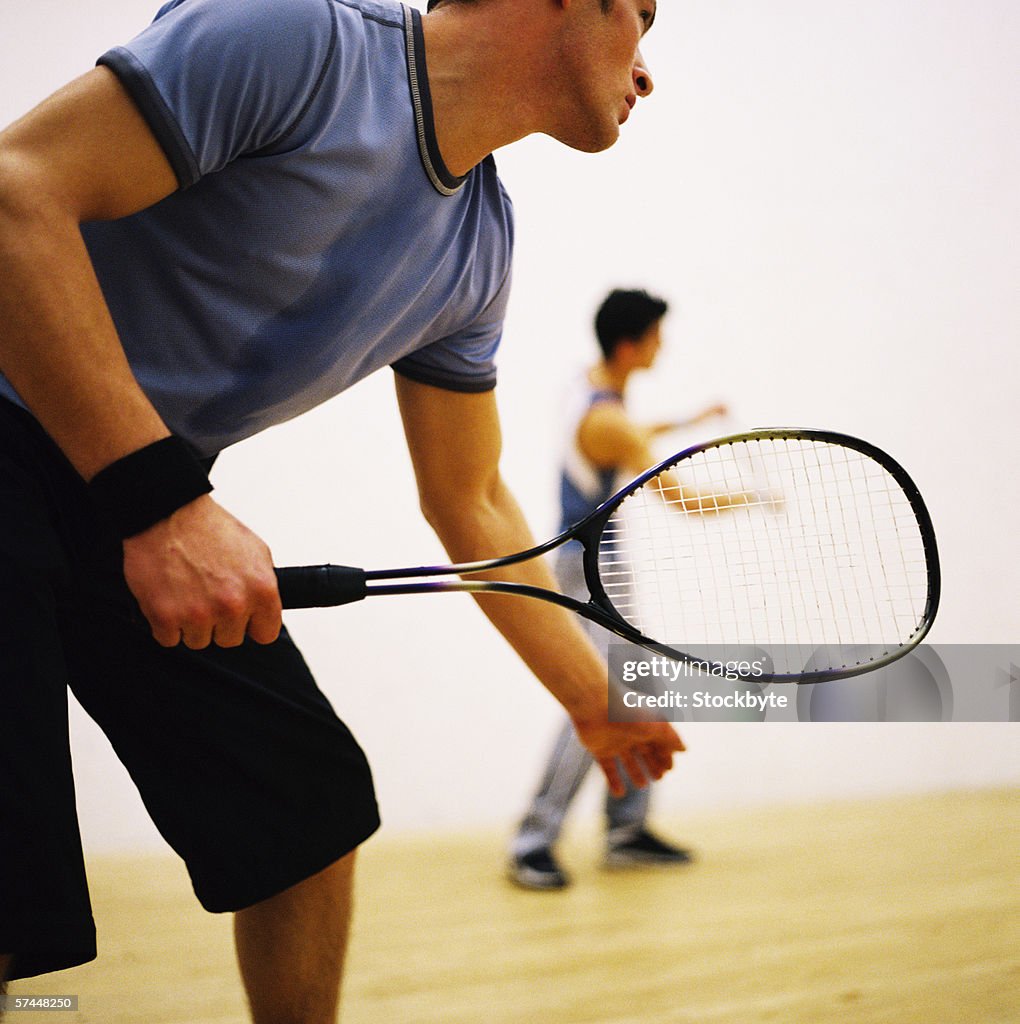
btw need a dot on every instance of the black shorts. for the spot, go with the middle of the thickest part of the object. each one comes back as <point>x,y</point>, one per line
<point>239,759</point>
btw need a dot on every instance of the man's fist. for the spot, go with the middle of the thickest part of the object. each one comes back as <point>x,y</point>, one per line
<point>202,577</point>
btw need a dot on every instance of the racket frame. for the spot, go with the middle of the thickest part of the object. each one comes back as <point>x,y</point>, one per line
<point>343,584</point>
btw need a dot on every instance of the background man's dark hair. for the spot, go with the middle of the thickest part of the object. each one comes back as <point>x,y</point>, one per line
<point>626,315</point>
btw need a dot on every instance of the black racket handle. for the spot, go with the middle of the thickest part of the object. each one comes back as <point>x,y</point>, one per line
<point>320,586</point>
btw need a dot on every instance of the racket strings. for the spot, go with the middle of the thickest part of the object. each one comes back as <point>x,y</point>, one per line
<point>822,548</point>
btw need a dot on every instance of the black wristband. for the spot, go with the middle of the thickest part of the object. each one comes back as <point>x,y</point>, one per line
<point>148,485</point>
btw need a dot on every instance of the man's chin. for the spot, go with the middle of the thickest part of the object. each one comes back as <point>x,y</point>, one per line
<point>592,141</point>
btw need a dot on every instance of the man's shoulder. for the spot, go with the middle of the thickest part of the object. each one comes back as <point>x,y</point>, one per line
<point>606,412</point>
<point>283,13</point>
<point>382,12</point>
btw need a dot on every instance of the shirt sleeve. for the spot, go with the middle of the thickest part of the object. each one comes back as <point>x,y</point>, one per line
<point>465,361</point>
<point>218,79</point>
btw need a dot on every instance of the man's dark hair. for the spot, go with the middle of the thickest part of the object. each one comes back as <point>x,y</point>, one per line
<point>626,315</point>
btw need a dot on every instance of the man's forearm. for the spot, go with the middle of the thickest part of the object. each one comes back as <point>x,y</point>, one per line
<point>546,636</point>
<point>58,346</point>
<point>454,440</point>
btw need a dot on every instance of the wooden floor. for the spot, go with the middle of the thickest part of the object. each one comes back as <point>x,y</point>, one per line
<point>904,911</point>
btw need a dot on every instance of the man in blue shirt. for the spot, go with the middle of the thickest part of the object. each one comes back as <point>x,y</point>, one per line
<point>234,217</point>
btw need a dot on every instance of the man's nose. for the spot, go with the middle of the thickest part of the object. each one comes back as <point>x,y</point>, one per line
<point>643,84</point>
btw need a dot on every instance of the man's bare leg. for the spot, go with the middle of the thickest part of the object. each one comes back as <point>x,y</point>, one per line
<point>291,948</point>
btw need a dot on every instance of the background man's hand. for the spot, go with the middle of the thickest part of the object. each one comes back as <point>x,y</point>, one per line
<point>202,577</point>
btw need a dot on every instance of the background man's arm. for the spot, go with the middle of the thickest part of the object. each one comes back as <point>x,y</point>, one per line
<point>87,154</point>
<point>709,412</point>
<point>609,438</point>
<point>455,444</point>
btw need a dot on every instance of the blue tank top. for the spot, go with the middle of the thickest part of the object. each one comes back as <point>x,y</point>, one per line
<point>583,486</point>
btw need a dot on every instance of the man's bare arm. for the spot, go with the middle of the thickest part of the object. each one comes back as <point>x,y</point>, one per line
<point>87,154</point>
<point>718,409</point>
<point>608,437</point>
<point>455,445</point>
<point>84,154</point>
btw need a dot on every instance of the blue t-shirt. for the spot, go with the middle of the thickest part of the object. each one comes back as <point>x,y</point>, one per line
<point>316,235</point>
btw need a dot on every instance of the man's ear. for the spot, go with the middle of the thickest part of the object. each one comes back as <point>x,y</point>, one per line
<point>623,351</point>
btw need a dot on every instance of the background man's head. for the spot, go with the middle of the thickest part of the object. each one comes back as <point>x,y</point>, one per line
<point>631,318</point>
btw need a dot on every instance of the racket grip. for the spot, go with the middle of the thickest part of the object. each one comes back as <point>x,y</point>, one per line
<point>320,586</point>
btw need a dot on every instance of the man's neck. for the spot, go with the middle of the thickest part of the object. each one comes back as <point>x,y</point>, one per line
<point>610,376</point>
<point>477,68</point>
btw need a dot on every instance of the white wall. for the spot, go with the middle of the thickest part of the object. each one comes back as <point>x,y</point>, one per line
<point>827,193</point>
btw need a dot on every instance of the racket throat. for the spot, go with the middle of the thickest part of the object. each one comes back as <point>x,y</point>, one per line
<point>321,586</point>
